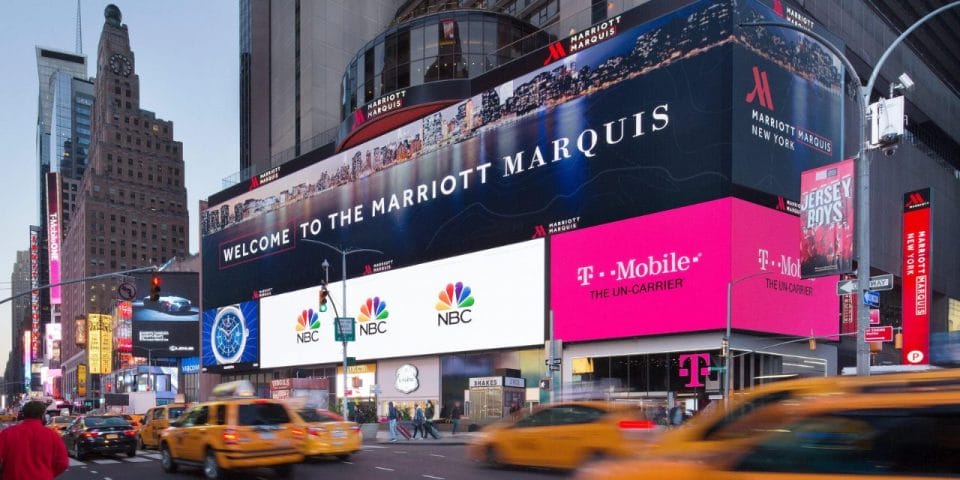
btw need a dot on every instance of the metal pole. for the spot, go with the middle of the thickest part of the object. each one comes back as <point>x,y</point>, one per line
<point>346,412</point>
<point>728,360</point>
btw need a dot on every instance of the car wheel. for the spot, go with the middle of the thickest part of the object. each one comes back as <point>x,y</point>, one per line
<point>493,457</point>
<point>77,452</point>
<point>211,469</point>
<point>343,457</point>
<point>166,460</point>
<point>284,471</point>
<point>140,445</point>
<point>132,452</point>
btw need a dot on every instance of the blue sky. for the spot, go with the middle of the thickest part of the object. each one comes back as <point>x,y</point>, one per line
<point>187,57</point>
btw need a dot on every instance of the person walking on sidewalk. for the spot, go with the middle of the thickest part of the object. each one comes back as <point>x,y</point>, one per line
<point>392,417</point>
<point>428,426</point>
<point>418,420</point>
<point>31,451</point>
<point>455,413</point>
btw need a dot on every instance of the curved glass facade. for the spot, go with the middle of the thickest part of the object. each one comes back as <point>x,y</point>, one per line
<point>459,44</point>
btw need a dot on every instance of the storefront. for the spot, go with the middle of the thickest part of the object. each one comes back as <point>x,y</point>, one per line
<point>407,382</point>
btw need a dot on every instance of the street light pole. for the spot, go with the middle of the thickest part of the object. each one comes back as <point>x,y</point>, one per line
<point>726,350</point>
<point>343,254</point>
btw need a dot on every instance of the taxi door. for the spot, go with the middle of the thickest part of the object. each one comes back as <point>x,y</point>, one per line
<point>148,432</point>
<point>192,435</point>
<point>265,425</point>
<point>526,442</point>
<point>578,433</point>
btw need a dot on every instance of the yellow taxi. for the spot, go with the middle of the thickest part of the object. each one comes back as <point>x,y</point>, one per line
<point>894,435</point>
<point>236,431</point>
<point>329,434</point>
<point>563,435</point>
<point>710,430</point>
<point>156,420</point>
<point>60,423</point>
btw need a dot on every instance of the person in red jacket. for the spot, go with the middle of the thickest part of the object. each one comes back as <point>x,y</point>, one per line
<point>31,451</point>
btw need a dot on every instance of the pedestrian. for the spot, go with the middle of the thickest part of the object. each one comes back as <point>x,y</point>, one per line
<point>677,414</point>
<point>661,418</point>
<point>428,426</point>
<point>30,451</point>
<point>392,416</point>
<point>418,419</point>
<point>455,413</point>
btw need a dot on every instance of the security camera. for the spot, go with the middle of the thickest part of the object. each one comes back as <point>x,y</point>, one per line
<point>906,82</point>
<point>889,150</point>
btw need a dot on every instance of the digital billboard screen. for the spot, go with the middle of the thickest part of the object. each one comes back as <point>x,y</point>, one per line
<point>230,337</point>
<point>169,326</point>
<point>668,272</point>
<point>483,300</point>
<point>596,135</point>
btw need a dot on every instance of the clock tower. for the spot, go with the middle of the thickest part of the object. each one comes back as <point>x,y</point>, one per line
<point>131,207</point>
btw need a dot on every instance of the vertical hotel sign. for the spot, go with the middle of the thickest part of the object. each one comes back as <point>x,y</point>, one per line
<point>916,277</point>
<point>106,343</point>
<point>82,380</point>
<point>34,294</point>
<point>93,342</point>
<point>54,234</point>
<point>826,220</point>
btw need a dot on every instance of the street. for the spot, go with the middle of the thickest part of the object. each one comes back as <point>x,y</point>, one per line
<point>393,462</point>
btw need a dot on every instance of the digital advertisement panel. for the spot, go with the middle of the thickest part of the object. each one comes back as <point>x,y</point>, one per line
<point>231,337</point>
<point>916,277</point>
<point>483,300</point>
<point>93,342</point>
<point>54,235</point>
<point>668,273</point>
<point>34,294</point>
<point>826,220</point>
<point>169,326</point>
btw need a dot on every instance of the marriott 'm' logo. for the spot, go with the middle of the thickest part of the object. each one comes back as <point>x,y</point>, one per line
<point>556,53</point>
<point>359,117</point>
<point>761,89</point>
<point>914,200</point>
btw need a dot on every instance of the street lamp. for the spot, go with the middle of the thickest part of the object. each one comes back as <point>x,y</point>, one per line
<point>725,350</point>
<point>862,167</point>
<point>326,265</point>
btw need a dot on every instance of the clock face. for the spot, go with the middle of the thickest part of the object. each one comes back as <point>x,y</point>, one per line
<point>229,336</point>
<point>120,65</point>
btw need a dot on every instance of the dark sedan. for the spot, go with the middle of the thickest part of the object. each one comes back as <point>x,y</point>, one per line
<point>100,434</point>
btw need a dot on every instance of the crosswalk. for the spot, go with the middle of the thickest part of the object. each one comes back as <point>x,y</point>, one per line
<point>142,456</point>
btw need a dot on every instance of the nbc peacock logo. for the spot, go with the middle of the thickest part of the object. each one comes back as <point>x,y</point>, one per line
<point>453,306</point>
<point>308,326</point>
<point>373,315</point>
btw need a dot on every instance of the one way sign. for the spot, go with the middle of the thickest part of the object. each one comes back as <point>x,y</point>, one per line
<point>880,282</point>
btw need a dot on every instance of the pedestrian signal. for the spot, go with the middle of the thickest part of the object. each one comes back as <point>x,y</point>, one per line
<point>155,288</point>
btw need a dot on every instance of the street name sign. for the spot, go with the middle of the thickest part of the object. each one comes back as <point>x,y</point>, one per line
<point>878,283</point>
<point>879,334</point>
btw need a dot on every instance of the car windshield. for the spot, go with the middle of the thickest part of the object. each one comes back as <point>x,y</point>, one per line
<point>97,422</point>
<point>253,414</point>
<point>312,415</point>
<point>62,419</point>
<point>175,413</point>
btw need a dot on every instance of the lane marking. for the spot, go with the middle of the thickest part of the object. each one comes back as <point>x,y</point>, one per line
<point>76,463</point>
<point>93,472</point>
<point>137,459</point>
<point>436,455</point>
<point>347,462</point>
<point>105,461</point>
<point>431,476</point>
<point>384,469</point>
<point>155,456</point>
<point>371,447</point>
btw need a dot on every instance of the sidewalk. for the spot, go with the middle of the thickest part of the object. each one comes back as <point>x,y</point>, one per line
<point>446,438</point>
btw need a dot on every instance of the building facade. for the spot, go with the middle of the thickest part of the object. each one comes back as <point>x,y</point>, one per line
<point>19,322</point>
<point>592,214</point>
<point>131,202</point>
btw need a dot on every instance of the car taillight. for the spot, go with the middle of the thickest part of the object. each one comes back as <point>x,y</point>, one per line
<point>636,424</point>
<point>130,433</point>
<point>316,430</point>
<point>90,434</point>
<point>230,436</point>
<point>355,428</point>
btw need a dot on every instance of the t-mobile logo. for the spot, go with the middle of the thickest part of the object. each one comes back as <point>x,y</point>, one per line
<point>695,371</point>
<point>761,89</point>
<point>584,275</point>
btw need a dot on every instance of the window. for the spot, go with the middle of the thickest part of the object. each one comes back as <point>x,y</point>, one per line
<point>261,414</point>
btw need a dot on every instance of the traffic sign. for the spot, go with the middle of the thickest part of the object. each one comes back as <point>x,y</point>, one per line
<point>127,291</point>
<point>874,316</point>
<point>879,334</point>
<point>871,298</point>
<point>343,330</point>
<point>879,283</point>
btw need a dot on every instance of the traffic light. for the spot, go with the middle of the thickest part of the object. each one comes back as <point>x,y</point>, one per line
<point>155,288</point>
<point>323,298</point>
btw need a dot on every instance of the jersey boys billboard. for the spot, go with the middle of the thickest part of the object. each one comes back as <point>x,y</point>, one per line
<point>488,299</point>
<point>635,124</point>
<point>668,272</point>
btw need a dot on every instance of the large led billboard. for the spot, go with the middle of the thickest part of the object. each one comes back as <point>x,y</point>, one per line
<point>483,300</point>
<point>637,123</point>
<point>169,326</point>
<point>668,273</point>
<point>230,337</point>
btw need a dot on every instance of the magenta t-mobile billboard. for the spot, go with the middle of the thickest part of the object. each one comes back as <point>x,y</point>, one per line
<point>668,273</point>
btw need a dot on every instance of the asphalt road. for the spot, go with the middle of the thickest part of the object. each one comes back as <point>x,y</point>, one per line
<point>387,462</point>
